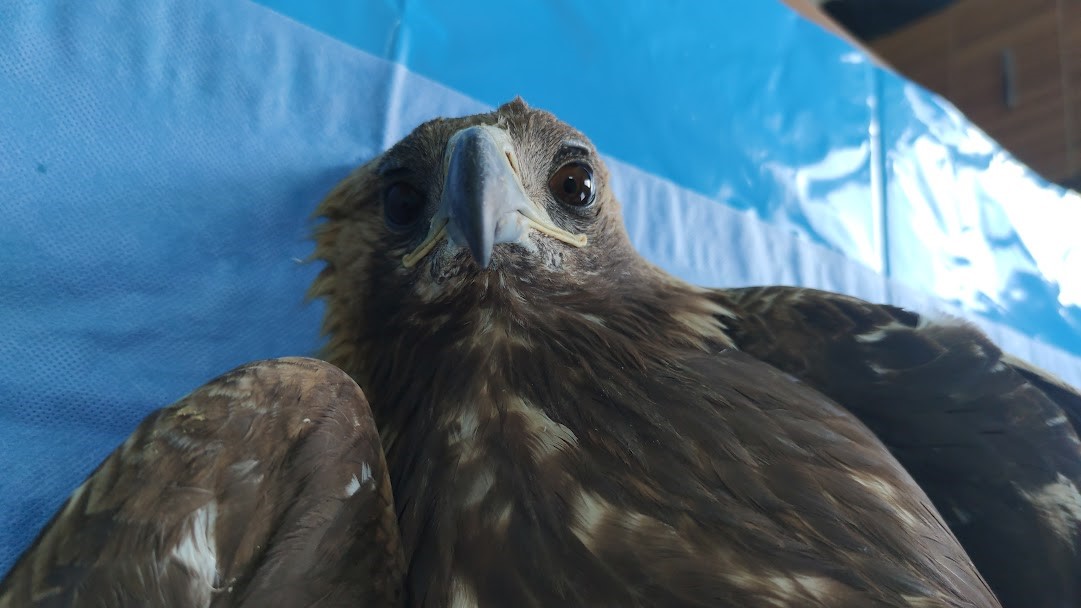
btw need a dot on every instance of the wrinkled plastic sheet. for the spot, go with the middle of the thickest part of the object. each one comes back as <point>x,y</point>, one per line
<point>766,112</point>
<point>159,161</point>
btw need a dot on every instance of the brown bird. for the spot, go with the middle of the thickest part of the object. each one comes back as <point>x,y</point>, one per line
<point>547,419</point>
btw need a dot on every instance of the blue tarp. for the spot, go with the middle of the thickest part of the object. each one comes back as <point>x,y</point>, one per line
<point>158,162</point>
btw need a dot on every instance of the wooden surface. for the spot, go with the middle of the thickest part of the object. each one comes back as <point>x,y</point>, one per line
<point>1070,33</point>
<point>958,53</point>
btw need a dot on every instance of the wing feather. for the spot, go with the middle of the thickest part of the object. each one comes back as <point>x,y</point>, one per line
<point>266,486</point>
<point>992,440</point>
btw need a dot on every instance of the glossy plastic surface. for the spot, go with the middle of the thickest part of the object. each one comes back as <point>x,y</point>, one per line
<point>766,112</point>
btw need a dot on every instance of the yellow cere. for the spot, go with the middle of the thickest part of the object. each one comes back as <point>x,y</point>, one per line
<point>410,259</point>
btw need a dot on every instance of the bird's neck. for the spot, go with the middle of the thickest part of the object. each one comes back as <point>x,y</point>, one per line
<point>483,346</point>
<point>481,406</point>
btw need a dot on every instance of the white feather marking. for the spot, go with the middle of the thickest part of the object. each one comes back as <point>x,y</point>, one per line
<point>801,587</point>
<point>819,587</point>
<point>998,367</point>
<point>365,478</point>
<point>879,333</point>
<point>1056,421</point>
<point>882,489</point>
<point>197,552</point>
<point>747,579</point>
<point>238,387</point>
<point>352,487</point>
<point>462,594</point>
<point>546,436</point>
<point>502,520</point>
<point>1059,503</point>
<point>720,311</point>
<point>908,518</point>
<point>466,429</point>
<point>704,324</point>
<point>919,601</point>
<point>979,351</point>
<point>783,589</point>
<point>872,336</point>
<point>588,514</point>
<point>888,494</point>
<point>878,369</point>
<point>462,434</point>
<point>478,487</point>
<point>484,316</point>
<point>593,319</point>
<point>243,468</point>
<point>783,585</point>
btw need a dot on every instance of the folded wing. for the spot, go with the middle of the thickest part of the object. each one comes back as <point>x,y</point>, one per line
<point>265,487</point>
<point>993,441</point>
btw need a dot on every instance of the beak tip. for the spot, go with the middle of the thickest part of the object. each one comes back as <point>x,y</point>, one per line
<point>481,190</point>
<point>483,259</point>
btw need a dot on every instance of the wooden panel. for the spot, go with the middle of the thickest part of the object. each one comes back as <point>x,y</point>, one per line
<point>958,53</point>
<point>1035,128</point>
<point>976,70</point>
<point>1070,35</point>
<point>920,52</point>
<point>975,20</point>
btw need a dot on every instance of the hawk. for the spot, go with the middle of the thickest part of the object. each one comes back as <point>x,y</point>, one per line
<point>514,408</point>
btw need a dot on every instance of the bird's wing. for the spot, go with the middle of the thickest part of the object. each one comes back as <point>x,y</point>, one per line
<point>265,487</point>
<point>993,441</point>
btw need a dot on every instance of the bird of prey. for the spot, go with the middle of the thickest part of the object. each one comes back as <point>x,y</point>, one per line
<point>514,408</point>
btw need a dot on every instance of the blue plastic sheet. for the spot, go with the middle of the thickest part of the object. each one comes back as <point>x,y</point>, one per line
<point>761,110</point>
<point>972,226</point>
<point>765,111</point>
<point>158,162</point>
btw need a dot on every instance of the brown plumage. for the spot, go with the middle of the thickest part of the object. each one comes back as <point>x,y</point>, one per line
<point>564,424</point>
<point>239,494</point>
<point>992,440</point>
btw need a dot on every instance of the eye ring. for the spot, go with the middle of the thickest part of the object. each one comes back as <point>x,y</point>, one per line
<point>573,185</point>
<point>402,206</point>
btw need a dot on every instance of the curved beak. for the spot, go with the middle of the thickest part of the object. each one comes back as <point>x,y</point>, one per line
<point>483,198</point>
<point>483,201</point>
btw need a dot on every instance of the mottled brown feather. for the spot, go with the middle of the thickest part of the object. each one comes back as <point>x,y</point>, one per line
<point>574,426</point>
<point>570,427</point>
<point>992,440</point>
<point>258,460</point>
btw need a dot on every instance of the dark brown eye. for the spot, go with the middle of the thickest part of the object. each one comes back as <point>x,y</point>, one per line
<point>572,184</point>
<point>402,205</point>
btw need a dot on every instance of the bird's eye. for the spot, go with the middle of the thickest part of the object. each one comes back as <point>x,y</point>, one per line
<point>572,184</point>
<point>402,205</point>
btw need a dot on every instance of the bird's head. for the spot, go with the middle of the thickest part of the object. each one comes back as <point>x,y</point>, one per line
<point>508,204</point>
<point>502,220</point>
<point>489,195</point>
